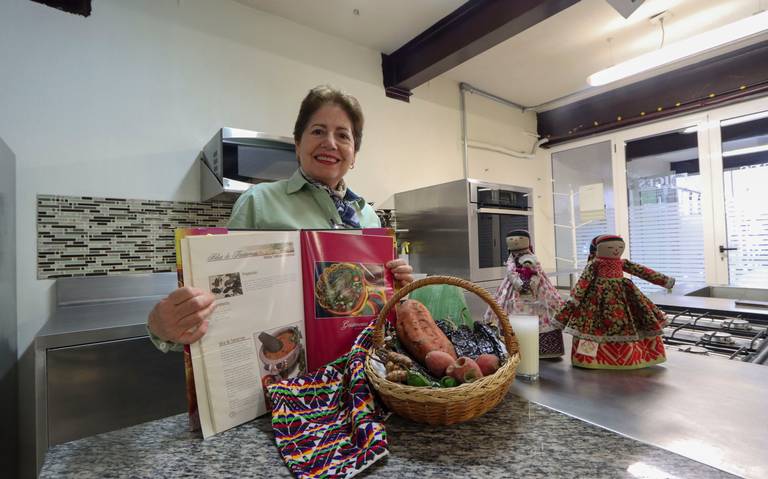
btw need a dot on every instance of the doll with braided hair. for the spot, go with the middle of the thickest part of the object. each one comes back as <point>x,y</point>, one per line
<point>615,326</point>
<point>527,290</point>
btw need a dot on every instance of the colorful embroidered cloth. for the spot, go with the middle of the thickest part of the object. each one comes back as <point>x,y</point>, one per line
<point>326,423</point>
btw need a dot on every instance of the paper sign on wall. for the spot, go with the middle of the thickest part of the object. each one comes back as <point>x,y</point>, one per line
<point>591,202</point>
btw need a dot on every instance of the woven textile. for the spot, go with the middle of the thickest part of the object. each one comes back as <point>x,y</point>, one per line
<point>326,423</point>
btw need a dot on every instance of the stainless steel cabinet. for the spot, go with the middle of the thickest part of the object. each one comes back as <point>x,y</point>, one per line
<point>99,387</point>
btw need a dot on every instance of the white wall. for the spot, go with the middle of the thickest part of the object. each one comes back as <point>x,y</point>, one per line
<point>496,124</point>
<point>118,104</point>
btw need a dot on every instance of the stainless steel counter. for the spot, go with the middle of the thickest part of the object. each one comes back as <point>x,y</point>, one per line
<point>697,303</point>
<point>708,409</point>
<point>94,364</point>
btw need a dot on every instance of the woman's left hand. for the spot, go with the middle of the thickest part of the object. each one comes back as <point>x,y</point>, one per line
<point>402,271</point>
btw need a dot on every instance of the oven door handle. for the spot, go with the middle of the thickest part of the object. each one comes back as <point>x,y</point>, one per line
<point>502,211</point>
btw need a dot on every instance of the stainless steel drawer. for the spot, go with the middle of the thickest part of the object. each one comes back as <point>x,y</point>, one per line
<point>100,387</point>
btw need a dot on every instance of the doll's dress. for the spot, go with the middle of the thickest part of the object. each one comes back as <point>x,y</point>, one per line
<point>518,294</point>
<point>615,326</point>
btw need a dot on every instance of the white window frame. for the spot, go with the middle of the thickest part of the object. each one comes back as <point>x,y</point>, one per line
<point>718,189</point>
<point>710,167</point>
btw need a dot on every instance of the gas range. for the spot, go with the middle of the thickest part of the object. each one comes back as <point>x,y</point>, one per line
<point>717,333</point>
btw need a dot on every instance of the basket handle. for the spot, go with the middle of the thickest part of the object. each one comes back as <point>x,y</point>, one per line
<point>509,335</point>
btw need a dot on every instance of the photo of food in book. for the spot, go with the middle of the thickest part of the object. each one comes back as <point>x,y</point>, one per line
<point>281,353</point>
<point>226,285</point>
<point>348,289</point>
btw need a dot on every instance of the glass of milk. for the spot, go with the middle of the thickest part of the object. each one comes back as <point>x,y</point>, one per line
<point>526,328</point>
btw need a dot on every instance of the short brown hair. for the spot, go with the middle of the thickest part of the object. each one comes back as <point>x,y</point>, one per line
<point>322,95</point>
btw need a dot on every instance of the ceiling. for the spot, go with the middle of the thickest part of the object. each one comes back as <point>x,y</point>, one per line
<point>547,62</point>
<point>381,25</point>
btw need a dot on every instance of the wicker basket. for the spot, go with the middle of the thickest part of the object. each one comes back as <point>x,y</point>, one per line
<point>444,406</point>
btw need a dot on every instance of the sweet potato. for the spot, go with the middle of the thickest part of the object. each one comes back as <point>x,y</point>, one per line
<point>418,332</point>
<point>488,363</point>
<point>465,370</point>
<point>437,362</point>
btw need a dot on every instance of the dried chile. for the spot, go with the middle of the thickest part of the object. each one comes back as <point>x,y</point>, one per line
<point>472,342</point>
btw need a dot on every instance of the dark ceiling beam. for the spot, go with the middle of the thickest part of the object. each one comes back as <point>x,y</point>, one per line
<point>78,7</point>
<point>728,78</point>
<point>471,29</point>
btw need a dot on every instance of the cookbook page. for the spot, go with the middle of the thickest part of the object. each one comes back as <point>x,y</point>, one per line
<point>256,333</point>
<point>189,379</point>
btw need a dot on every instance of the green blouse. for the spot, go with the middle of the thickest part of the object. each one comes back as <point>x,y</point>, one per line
<point>293,204</point>
<point>286,204</point>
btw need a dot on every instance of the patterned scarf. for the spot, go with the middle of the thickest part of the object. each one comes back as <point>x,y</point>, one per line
<point>343,198</point>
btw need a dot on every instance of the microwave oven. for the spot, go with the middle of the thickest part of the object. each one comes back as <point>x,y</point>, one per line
<point>234,160</point>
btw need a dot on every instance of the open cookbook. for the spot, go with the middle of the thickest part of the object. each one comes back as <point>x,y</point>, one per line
<point>287,302</point>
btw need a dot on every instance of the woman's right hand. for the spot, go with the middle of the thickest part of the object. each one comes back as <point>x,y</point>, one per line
<point>182,316</point>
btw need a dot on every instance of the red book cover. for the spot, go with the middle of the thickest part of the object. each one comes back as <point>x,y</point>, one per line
<point>346,284</point>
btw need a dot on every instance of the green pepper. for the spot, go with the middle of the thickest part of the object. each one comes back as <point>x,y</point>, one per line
<point>448,382</point>
<point>417,379</point>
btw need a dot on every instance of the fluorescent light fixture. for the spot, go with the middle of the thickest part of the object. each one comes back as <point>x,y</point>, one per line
<point>677,51</point>
<point>744,119</point>
<point>745,151</point>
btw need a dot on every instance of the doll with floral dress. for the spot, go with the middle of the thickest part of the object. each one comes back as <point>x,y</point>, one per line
<point>527,290</point>
<point>614,325</point>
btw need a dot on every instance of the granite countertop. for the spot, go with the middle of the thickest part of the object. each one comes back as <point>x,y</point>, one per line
<point>517,439</point>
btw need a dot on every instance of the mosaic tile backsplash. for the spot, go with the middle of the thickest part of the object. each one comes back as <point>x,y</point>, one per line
<point>86,236</point>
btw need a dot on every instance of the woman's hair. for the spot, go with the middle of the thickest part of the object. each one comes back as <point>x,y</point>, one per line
<point>322,95</point>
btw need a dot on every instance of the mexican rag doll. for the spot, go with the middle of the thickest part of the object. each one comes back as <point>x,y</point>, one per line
<point>527,290</point>
<point>614,325</point>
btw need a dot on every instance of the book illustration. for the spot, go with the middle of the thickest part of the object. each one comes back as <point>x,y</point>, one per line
<point>225,285</point>
<point>282,355</point>
<point>344,289</point>
<point>345,285</point>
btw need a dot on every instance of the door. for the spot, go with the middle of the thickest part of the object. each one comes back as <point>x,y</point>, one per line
<point>740,157</point>
<point>667,208</point>
<point>665,200</point>
<point>574,169</point>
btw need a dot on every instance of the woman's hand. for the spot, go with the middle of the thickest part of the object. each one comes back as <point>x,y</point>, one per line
<point>182,316</point>
<point>402,271</point>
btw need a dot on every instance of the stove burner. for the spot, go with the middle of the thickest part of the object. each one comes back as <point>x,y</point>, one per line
<point>740,324</point>
<point>694,350</point>
<point>718,333</point>
<point>719,338</point>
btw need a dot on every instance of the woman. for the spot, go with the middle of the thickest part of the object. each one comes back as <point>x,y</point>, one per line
<point>327,133</point>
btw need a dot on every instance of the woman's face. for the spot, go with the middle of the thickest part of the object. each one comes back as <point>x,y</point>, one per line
<point>327,148</point>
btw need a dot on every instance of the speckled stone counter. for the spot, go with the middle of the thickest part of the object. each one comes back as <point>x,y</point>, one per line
<point>517,439</point>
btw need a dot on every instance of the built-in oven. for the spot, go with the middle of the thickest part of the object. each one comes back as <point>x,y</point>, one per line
<point>495,210</point>
<point>459,228</point>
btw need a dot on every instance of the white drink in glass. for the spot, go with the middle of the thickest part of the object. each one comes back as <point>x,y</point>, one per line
<point>526,328</point>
